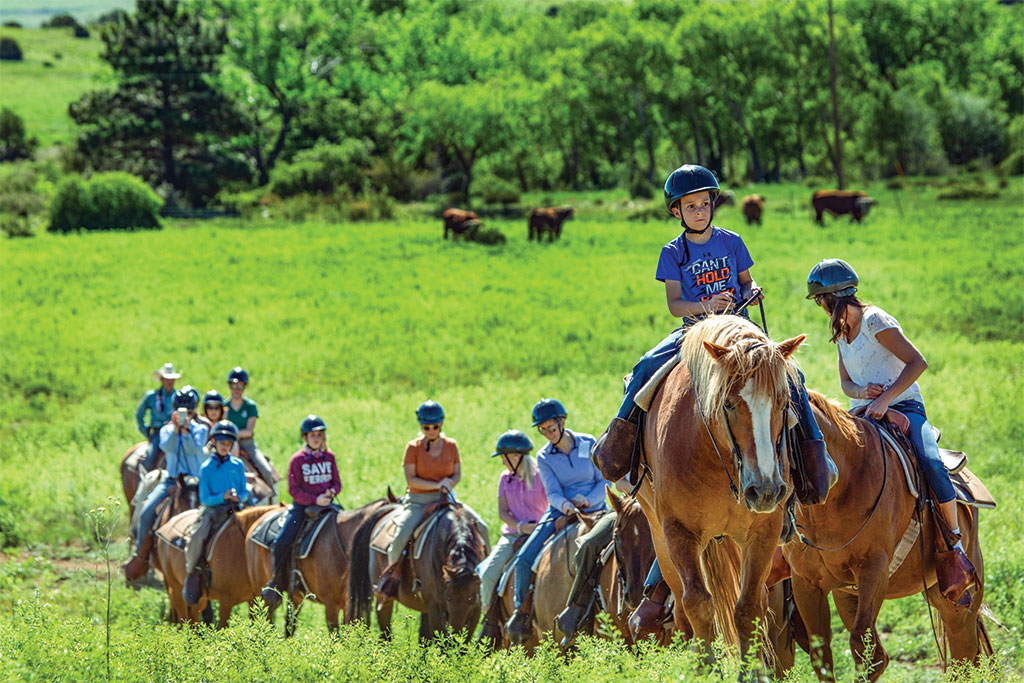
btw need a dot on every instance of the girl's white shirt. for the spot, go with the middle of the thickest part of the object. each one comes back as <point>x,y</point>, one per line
<point>866,360</point>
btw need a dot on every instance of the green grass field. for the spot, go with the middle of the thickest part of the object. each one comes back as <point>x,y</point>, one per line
<point>56,70</point>
<point>361,322</point>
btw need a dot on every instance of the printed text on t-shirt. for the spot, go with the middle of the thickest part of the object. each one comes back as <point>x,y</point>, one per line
<point>712,274</point>
<point>316,472</point>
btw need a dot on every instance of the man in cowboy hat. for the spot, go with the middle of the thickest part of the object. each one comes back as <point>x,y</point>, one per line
<point>158,403</point>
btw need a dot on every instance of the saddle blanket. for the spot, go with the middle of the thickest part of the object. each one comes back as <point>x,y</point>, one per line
<point>386,531</point>
<point>176,532</point>
<point>268,528</point>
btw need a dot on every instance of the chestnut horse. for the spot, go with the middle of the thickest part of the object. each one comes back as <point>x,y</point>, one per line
<point>325,569</point>
<point>858,529</point>
<point>442,584</point>
<point>229,577</point>
<point>713,447</point>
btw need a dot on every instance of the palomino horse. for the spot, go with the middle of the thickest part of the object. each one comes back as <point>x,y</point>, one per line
<point>713,442</point>
<point>442,584</point>
<point>853,564</point>
<point>229,578</point>
<point>324,570</point>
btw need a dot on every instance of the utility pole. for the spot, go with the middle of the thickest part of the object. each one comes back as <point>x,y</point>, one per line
<point>837,160</point>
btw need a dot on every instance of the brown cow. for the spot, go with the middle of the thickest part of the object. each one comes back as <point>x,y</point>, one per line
<point>725,198</point>
<point>548,220</point>
<point>752,207</point>
<point>459,222</point>
<point>838,202</point>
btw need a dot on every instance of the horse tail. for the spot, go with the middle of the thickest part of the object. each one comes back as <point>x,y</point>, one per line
<point>360,584</point>
<point>720,567</point>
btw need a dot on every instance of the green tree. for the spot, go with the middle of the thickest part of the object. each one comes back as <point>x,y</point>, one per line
<point>14,142</point>
<point>165,121</point>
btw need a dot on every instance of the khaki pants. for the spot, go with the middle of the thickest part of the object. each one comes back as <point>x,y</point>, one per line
<point>209,518</point>
<point>491,569</point>
<point>591,546</point>
<point>413,507</point>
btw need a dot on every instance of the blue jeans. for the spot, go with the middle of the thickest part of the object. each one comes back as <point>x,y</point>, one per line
<point>528,553</point>
<point>283,544</point>
<point>666,350</point>
<point>153,450</point>
<point>653,576</point>
<point>148,514</point>
<point>927,449</point>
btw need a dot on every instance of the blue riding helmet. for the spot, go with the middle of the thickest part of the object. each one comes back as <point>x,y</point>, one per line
<point>513,441</point>
<point>237,374</point>
<point>687,180</point>
<point>224,431</point>
<point>212,397</point>
<point>312,423</point>
<point>547,409</point>
<point>186,397</point>
<point>430,413</point>
<point>832,276</point>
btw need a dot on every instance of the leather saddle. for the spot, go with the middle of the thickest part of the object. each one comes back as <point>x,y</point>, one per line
<point>386,530</point>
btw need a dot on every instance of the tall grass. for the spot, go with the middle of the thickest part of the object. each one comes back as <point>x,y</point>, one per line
<point>359,323</point>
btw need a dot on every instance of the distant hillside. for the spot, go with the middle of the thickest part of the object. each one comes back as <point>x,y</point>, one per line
<point>56,70</point>
<point>31,13</point>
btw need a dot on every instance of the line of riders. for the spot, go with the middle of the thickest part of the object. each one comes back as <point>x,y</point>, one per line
<point>706,271</point>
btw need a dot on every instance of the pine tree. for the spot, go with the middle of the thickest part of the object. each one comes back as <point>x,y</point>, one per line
<point>164,121</point>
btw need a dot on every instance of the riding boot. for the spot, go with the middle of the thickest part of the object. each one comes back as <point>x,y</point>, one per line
<point>614,450</point>
<point>136,567</point>
<point>193,588</point>
<point>272,592</point>
<point>647,617</point>
<point>390,581</point>
<point>571,618</point>
<point>517,625</point>
<point>955,574</point>
<point>820,472</point>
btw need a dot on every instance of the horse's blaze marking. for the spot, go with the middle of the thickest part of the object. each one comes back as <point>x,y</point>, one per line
<point>761,421</point>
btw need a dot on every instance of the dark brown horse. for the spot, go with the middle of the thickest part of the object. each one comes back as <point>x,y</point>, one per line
<point>325,569</point>
<point>184,495</point>
<point>442,584</point>
<point>229,576</point>
<point>858,529</point>
<point>712,440</point>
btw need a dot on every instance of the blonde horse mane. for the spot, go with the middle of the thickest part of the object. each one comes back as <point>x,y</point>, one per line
<point>752,357</point>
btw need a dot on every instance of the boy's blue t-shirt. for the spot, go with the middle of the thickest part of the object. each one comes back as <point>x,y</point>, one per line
<point>712,267</point>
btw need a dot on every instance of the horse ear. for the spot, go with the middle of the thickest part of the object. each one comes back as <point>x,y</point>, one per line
<point>789,346</point>
<point>616,501</point>
<point>715,350</point>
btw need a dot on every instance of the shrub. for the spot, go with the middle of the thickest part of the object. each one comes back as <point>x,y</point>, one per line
<point>15,226</point>
<point>112,17</point>
<point>9,49</point>
<point>322,169</point>
<point>11,24</point>
<point>495,190</point>
<point>973,129</point>
<point>81,32</point>
<point>894,183</point>
<point>640,187</point>
<point>968,191</point>
<point>1013,164</point>
<point>62,20</point>
<point>108,201</point>
<point>488,236</point>
<point>13,142</point>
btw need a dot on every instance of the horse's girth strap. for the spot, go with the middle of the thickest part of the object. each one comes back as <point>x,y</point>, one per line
<point>903,547</point>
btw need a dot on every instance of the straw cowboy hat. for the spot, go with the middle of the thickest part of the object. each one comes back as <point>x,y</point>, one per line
<point>166,372</point>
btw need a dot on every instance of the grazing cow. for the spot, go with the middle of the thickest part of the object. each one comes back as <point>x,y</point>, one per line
<point>549,220</point>
<point>725,198</point>
<point>838,202</point>
<point>752,207</point>
<point>459,222</point>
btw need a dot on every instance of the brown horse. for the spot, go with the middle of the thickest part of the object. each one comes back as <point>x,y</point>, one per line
<point>727,397</point>
<point>854,564</point>
<point>184,495</point>
<point>442,584</point>
<point>552,582</point>
<point>229,577</point>
<point>130,473</point>
<point>325,569</point>
<point>623,576</point>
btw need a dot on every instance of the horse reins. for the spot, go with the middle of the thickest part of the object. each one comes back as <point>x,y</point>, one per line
<point>874,507</point>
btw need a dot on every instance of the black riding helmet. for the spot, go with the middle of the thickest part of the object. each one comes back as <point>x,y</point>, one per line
<point>429,413</point>
<point>186,397</point>
<point>312,423</point>
<point>687,180</point>
<point>513,441</point>
<point>832,276</point>
<point>224,430</point>
<point>212,397</point>
<point>547,409</point>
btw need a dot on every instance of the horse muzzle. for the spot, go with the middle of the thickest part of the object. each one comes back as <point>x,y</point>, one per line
<point>763,495</point>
